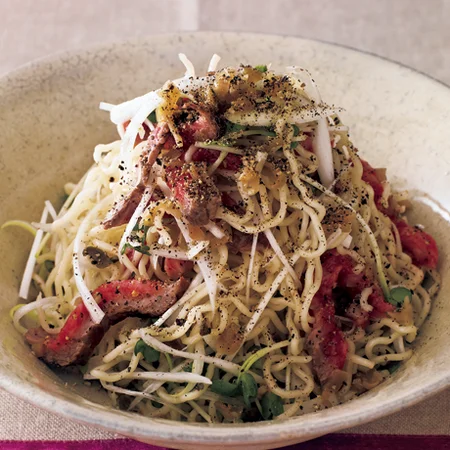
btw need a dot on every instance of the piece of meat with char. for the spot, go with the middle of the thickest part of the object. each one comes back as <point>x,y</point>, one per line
<point>122,211</point>
<point>176,268</point>
<point>340,290</point>
<point>195,123</point>
<point>418,244</point>
<point>195,191</point>
<point>118,299</point>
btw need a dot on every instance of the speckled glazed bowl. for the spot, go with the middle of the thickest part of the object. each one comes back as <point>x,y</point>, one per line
<point>50,123</point>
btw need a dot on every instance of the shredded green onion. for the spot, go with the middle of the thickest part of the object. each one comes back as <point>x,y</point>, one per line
<point>296,133</point>
<point>32,315</point>
<point>21,224</point>
<point>262,68</point>
<point>169,361</point>
<point>248,363</point>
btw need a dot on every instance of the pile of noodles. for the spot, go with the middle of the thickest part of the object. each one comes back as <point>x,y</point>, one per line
<point>247,309</point>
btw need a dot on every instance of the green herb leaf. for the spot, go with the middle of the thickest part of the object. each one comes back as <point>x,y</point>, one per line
<point>397,296</point>
<point>144,234</point>
<point>249,388</point>
<point>149,353</point>
<point>265,131</point>
<point>124,248</point>
<point>253,358</point>
<point>144,249</point>
<point>261,68</point>
<point>169,361</point>
<point>393,366</point>
<point>296,133</point>
<point>152,117</point>
<point>225,388</point>
<point>272,405</point>
<point>188,368</point>
<point>233,127</point>
<point>258,364</point>
<point>49,265</point>
<point>83,369</point>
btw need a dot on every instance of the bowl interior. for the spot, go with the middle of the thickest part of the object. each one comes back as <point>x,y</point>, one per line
<point>50,123</point>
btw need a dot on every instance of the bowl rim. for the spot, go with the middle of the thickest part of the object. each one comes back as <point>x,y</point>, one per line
<point>253,433</point>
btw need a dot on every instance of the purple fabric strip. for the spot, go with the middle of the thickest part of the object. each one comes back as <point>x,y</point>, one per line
<point>107,444</point>
<point>330,442</point>
<point>375,442</point>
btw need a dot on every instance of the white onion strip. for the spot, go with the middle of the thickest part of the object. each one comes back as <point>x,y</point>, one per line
<point>151,102</point>
<point>51,209</point>
<point>199,290</point>
<point>321,142</point>
<point>196,249</point>
<point>25,309</point>
<point>139,395</point>
<point>266,299</point>
<point>324,152</point>
<point>217,163</point>
<point>209,274</point>
<point>31,262</point>
<point>250,267</point>
<point>94,311</point>
<point>184,377</point>
<point>164,188</point>
<point>190,153</point>
<point>347,241</point>
<point>173,253</point>
<point>215,230</point>
<point>214,63</point>
<point>190,69</point>
<point>152,387</point>
<point>277,249</point>
<point>153,342</point>
<point>134,219</point>
<point>106,106</point>
<point>45,227</point>
<point>196,281</point>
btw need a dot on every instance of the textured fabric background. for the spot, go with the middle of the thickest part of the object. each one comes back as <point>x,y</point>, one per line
<point>413,32</point>
<point>21,421</point>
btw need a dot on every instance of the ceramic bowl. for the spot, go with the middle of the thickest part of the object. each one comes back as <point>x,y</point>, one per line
<point>50,123</point>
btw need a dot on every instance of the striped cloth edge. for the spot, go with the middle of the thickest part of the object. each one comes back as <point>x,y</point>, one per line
<point>329,442</point>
